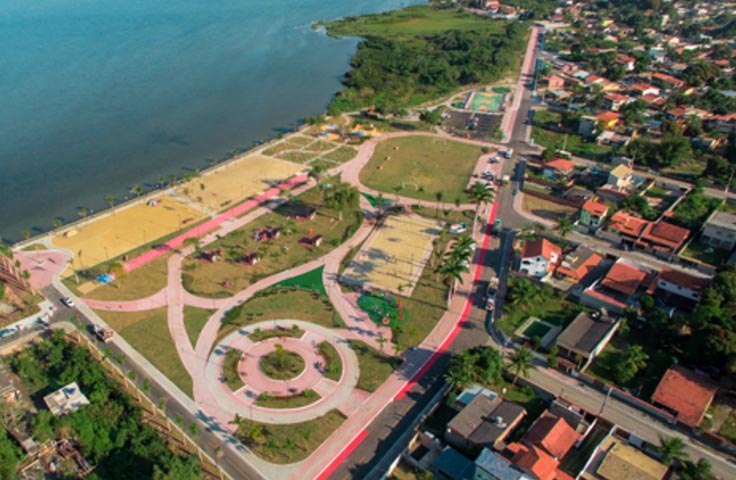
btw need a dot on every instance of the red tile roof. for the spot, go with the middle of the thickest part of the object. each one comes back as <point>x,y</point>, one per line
<point>540,247</point>
<point>624,278</point>
<point>582,270</point>
<point>616,97</point>
<point>595,208</point>
<point>627,224</point>
<point>560,164</point>
<point>608,116</point>
<point>534,460</point>
<point>663,77</point>
<point>666,234</point>
<point>676,277</point>
<point>553,434</point>
<point>686,392</point>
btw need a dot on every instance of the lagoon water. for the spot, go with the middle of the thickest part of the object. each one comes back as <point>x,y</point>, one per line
<point>101,95</point>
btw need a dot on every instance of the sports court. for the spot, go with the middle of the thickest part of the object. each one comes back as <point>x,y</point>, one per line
<point>394,256</point>
<point>125,229</point>
<point>484,102</point>
<point>236,181</point>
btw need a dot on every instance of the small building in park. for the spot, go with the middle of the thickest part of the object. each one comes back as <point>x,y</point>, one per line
<point>686,394</point>
<point>66,400</point>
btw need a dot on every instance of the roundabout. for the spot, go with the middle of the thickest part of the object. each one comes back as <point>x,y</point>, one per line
<point>281,364</point>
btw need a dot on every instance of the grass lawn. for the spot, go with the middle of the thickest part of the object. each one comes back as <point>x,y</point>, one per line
<point>148,333</point>
<point>284,304</point>
<point>283,365</point>
<point>208,279</point>
<point>333,363</point>
<point>194,321</point>
<point>230,369</point>
<point>308,281</point>
<point>696,250</point>
<point>291,442</point>
<point>292,401</point>
<point>429,167</point>
<point>412,21</point>
<point>545,116</point>
<point>259,335</point>
<point>375,366</point>
<point>647,379</point>
<point>341,155</point>
<point>575,143</point>
<point>298,157</point>
<point>545,208</point>
<point>140,283</point>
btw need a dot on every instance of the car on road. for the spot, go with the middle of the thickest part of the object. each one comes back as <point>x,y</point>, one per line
<point>494,159</point>
<point>67,301</point>
<point>491,294</point>
<point>103,334</point>
<point>6,332</point>
<point>488,174</point>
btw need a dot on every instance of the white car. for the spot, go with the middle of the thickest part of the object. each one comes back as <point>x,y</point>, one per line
<point>494,159</point>
<point>67,301</point>
<point>488,174</point>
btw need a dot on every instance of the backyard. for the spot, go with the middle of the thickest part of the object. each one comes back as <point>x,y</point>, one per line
<point>436,167</point>
<point>230,274</point>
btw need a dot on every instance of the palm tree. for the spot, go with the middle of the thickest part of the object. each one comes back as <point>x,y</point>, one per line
<point>521,363</point>
<point>438,196</point>
<point>381,340</point>
<point>213,161</point>
<point>481,194</point>
<point>452,272</point>
<point>82,212</point>
<point>316,173</point>
<point>564,226</point>
<point>110,200</point>
<point>237,420</point>
<point>26,234</point>
<point>672,450</point>
<point>463,247</point>
<point>700,470</point>
<point>58,222</point>
<point>136,190</point>
<point>280,355</point>
<point>523,293</point>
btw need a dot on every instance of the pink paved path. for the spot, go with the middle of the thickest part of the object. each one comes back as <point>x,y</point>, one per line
<point>156,300</point>
<point>210,225</point>
<point>41,265</point>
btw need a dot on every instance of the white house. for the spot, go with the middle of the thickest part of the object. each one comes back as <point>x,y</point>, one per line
<point>682,284</point>
<point>539,257</point>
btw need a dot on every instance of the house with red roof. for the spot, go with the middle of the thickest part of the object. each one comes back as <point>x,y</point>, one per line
<point>643,89</point>
<point>614,101</point>
<point>608,119</point>
<point>667,81</point>
<point>686,394</point>
<point>623,228</point>
<point>559,169</point>
<point>592,214</point>
<point>618,289</point>
<point>662,238</point>
<point>539,257</point>
<point>577,264</point>
<point>672,282</point>
<point>626,61</point>
<point>555,82</point>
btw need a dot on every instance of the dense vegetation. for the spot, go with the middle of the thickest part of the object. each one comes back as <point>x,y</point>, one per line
<point>109,430</point>
<point>391,71</point>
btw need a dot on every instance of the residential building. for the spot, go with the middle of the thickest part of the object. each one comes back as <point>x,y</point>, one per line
<point>592,214</point>
<point>539,257</point>
<point>9,390</point>
<point>491,466</point>
<point>624,462</point>
<point>587,125</point>
<point>578,264</point>
<point>559,169</point>
<point>667,81</point>
<point>619,287</point>
<point>679,288</point>
<point>719,231</point>
<point>586,337</point>
<point>614,101</point>
<point>626,61</point>
<point>608,119</point>
<point>620,177</point>
<point>66,400</point>
<point>686,394</point>
<point>623,228</point>
<point>452,465</point>
<point>644,89</point>
<point>663,238</point>
<point>555,82</point>
<point>484,422</point>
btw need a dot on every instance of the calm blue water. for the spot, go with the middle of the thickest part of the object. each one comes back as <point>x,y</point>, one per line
<point>100,95</point>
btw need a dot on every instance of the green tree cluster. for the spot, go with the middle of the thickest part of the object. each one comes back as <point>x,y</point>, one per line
<point>695,208</point>
<point>109,431</point>
<point>478,365</point>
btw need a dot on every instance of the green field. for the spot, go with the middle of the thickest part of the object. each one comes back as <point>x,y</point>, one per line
<point>422,168</point>
<point>575,144</point>
<point>333,363</point>
<point>140,283</point>
<point>148,333</point>
<point>230,369</point>
<point>288,443</point>
<point>195,320</point>
<point>292,401</point>
<point>375,366</point>
<point>417,20</point>
<point>307,281</point>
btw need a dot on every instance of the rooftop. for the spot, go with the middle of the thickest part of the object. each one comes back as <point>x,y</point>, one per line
<point>498,466</point>
<point>607,116</point>
<point>595,208</point>
<point>585,333</point>
<point>686,392</point>
<point>627,224</point>
<point>552,434</point>
<point>666,234</point>
<point>66,400</point>
<point>478,421</point>
<point>624,278</point>
<point>623,462</point>
<point>534,459</point>
<point>578,263</point>
<point>540,247</point>
<point>560,164</point>
<point>723,219</point>
<point>676,277</point>
<point>621,171</point>
<point>454,465</point>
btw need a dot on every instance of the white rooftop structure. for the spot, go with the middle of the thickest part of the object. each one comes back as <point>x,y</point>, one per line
<point>66,400</point>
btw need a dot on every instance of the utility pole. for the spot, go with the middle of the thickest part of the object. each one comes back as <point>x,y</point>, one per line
<point>605,400</point>
<point>730,179</point>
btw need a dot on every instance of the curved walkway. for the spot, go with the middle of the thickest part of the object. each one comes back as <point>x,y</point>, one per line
<point>156,300</point>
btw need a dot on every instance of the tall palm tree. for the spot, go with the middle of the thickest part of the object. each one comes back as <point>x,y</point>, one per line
<point>381,340</point>
<point>481,194</point>
<point>452,272</point>
<point>110,200</point>
<point>564,226</point>
<point>700,470</point>
<point>136,190</point>
<point>521,363</point>
<point>672,450</point>
<point>58,222</point>
<point>523,293</point>
<point>316,173</point>
<point>438,196</point>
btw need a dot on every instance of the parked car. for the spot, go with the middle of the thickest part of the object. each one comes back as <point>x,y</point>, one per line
<point>491,294</point>
<point>6,332</point>
<point>67,301</point>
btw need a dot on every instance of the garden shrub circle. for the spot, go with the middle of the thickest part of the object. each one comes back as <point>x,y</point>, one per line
<point>282,365</point>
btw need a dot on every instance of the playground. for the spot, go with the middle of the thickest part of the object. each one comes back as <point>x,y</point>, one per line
<point>125,229</point>
<point>484,102</point>
<point>394,256</point>
<point>236,181</point>
<point>383,309</point>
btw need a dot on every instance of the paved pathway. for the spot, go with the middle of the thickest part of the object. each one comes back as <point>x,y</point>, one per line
<point>157,300</point>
